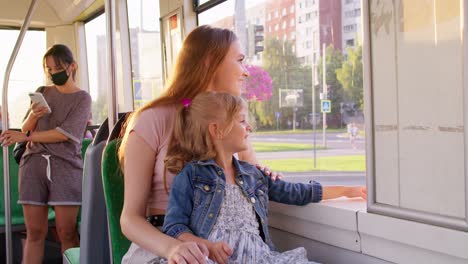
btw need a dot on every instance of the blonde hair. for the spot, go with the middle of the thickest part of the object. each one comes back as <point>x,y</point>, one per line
<point>199,58</point>
<point>191,138</point>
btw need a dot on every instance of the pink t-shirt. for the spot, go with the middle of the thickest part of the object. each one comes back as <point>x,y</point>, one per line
<point>155,126</point>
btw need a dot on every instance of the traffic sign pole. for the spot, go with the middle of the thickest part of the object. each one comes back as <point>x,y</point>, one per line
<point>325,96</point>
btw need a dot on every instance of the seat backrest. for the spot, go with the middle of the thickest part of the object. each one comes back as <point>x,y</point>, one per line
<point>84,146</point>
<point>94,244</point>
<point>117,129</point>
<point>94,241</point>
<point>103,131</point>
<point>113,183</point>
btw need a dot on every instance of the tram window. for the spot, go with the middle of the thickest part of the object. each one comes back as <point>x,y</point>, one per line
<point>145,45</point>
<point>281,100</point>
<point>27,73</point>
<point>96,54</point>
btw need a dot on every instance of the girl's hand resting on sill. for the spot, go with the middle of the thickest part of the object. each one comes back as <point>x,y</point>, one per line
<point>357,191</point>
<point>332,192</point>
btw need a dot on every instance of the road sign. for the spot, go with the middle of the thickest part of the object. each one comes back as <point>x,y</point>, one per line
<point>137,90</point>
<point>325,106</point>
<point>278,114</point>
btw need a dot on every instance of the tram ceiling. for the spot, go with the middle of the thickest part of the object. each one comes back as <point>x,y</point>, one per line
<point>49,13</point>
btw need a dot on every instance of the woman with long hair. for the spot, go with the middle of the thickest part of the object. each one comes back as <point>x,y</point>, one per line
<point>51,168</point>
<point>210,60</point>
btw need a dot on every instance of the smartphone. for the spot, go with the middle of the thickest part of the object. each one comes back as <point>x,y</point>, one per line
<point>39,98</point>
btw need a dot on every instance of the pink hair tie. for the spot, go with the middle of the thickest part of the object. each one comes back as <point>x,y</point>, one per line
<point>186,102</point>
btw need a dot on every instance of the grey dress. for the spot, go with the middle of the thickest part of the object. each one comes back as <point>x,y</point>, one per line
<point>237,225</point>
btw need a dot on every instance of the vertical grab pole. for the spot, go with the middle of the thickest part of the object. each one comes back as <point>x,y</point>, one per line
<point>111,63</point>
<point>6,158</point>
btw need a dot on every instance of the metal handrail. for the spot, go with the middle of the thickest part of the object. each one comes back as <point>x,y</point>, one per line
<point>6,158</point>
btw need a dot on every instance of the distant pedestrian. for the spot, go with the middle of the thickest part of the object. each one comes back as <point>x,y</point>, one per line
<point>353,132</point>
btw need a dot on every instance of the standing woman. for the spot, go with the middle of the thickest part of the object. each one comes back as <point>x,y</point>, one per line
<point>210,60</point>
<point>51,169</point>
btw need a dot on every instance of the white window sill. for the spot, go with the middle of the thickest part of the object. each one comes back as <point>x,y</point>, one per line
<point>344,223</point>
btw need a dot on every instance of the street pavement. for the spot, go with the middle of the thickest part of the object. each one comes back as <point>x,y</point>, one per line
<point>328,177</point>
<point>338,144</point>
<point>309,153</point>
<point>334,140</point>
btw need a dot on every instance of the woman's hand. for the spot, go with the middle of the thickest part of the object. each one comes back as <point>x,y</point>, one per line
<point>188,253</point>
<point>219,252</point>
<point>272,174</point>
<point>9,137</point>
<point>38,111</point>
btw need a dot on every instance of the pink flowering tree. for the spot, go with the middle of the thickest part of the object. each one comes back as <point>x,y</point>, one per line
<point>258,86</point>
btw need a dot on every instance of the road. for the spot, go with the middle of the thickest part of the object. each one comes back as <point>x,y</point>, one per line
<point>337,145</point>
<point>334,140</point>
<point>328,177</point>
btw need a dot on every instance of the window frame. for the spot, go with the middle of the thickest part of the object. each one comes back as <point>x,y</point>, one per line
<point>388,210</point>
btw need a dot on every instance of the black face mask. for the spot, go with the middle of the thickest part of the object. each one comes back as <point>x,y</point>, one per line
<point>59,78</point>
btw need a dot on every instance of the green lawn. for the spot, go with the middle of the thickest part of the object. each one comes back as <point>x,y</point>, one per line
<point>275,147</point>
<point>299,131</point>
<point>336,163</point>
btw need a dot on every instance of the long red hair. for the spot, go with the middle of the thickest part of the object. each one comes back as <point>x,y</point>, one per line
<point>202,52</point>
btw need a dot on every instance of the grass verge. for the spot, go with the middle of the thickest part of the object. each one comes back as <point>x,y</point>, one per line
<point>299,131</point>
<point>275,147</point>
<point>334,163</point>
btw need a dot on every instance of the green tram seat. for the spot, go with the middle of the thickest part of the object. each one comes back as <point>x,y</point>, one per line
<point>71,255</point>
<point>94,241</point>
<point>113,183</point>
<point>93,225</point>
<point>84,146</point>
<point>17,219</point>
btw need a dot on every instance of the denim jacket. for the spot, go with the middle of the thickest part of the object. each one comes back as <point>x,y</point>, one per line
<point>198,191</point>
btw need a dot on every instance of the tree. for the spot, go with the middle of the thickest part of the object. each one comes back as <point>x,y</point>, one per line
<point>350,76</point>
<point>258,85</point>
<point>275,58</point>
<point>286,72</point>
<point>334,61</point>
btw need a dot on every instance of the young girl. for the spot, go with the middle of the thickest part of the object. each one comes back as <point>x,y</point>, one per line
<point>211,59</point>
<point>220,201</point>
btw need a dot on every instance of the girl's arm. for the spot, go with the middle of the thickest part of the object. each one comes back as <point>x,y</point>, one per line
<point>180,204</point>
<point>138,171</point>
<point>294,193</point>
<point>302,193</point>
